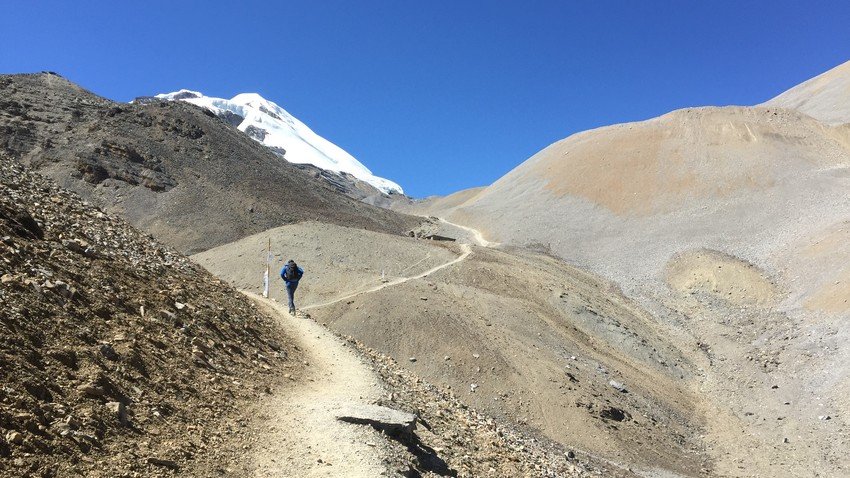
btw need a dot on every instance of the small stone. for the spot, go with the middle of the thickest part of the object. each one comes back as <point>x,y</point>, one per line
<point>120,411</point>
<point>570,455</point>
<point>476,356</point>
<point>423,298</point>
<point>161,462</point>
<point>108,352</point>
<point>618,386</point>
<point>14,438</point>
<point>472,387</point>
<point>91,390</point>
<point>412,359</point>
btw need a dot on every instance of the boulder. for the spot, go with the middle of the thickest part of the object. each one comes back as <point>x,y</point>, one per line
<point>394,422</point>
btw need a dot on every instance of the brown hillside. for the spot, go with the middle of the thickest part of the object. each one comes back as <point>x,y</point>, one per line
<point>171,169</point>
<point>519,335</point>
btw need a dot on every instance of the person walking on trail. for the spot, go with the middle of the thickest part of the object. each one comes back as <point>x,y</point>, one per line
<point>291,274</point>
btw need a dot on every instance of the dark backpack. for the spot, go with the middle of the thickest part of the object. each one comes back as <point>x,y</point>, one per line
<point>292,273</point>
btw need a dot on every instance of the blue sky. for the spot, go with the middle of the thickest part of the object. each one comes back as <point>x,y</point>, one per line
<point>437,95</point>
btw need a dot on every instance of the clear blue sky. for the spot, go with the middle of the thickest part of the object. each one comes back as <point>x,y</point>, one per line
<point>438,95</point>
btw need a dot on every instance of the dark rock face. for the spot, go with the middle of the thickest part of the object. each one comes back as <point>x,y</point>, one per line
<point>258,134</point>
<point>231,118</point>
<point>269,112</point>
<point>19,221</point>
<point>352,187</point>
<point>615,414</point>
<point>280,152</point>
<point>122,163</point>
<point>172,169</point>
<point>185,95</point>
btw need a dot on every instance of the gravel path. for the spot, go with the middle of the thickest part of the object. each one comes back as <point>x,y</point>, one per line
<point>304,438</point>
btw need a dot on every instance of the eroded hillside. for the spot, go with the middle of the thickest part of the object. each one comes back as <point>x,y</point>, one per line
<point>728,226</point>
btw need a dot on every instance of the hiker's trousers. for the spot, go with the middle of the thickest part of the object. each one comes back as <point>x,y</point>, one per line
<point>290,292</point>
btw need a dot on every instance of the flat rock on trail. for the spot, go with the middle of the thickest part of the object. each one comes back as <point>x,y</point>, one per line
<point>304,436</point>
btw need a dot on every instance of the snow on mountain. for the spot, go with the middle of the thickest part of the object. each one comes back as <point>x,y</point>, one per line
<point>274,127</point>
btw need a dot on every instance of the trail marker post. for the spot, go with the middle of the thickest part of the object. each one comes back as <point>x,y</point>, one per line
<point>268,270</point>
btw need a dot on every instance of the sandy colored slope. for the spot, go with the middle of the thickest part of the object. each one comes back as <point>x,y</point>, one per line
<point>729,226</point>
<point>511,324</point>
<point>825,97</point>
<point>744,181</point>
<point>438,205</point>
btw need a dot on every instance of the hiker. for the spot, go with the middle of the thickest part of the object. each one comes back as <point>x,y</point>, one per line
<point>291,274</point>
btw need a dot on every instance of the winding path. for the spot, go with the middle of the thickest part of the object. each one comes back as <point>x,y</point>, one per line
<point>467,250</point>
<point>476,234</point>
<point>304,438</point>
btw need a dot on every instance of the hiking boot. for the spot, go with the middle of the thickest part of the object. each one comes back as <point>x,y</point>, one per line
<point>292,310</point>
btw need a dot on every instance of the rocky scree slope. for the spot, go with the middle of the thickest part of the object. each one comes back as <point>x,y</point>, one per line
<point>454,439</point>
<point>170,168</point>
<point>118,356</point>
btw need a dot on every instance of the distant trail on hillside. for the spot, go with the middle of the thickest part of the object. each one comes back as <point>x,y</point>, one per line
<point>476,234</point>
<point>467,250</point>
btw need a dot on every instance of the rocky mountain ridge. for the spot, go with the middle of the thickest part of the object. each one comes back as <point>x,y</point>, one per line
<point>171,168</point>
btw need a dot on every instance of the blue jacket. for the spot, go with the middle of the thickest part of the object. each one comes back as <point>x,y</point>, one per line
<point>283,275</point>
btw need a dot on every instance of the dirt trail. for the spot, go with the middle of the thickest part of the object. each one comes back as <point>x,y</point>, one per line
<point>304,438</point>
<point>476,234</point>
<point>467,250</point>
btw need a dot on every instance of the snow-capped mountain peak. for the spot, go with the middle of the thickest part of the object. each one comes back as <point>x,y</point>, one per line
<point>274,127</point>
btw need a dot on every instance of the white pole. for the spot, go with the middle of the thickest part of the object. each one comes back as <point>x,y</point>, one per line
<point>266,275</point>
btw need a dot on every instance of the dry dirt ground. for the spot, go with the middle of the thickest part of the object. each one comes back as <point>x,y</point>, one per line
<point>518,334</point>
<point>304,438</point>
